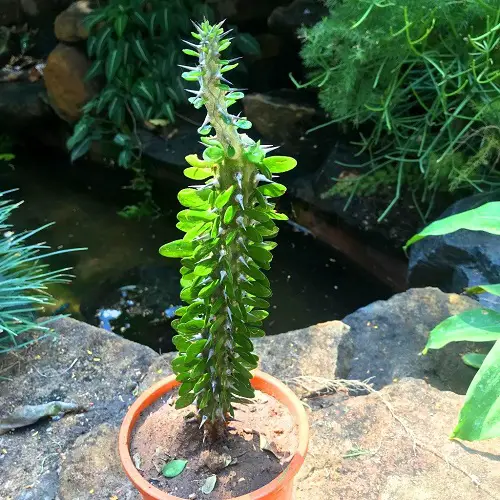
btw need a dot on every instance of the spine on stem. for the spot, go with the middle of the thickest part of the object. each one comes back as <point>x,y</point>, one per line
<point>228,221</point>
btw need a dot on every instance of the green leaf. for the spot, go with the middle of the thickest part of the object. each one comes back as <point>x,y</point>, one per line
<point>229,214</point>
<point>194,161</point>
<point>209,485</point>
<point>139,49</point>
<point>81,149</point>
<point>120,24</point>
<point>93,19</point>
<point>474,359</point>
<point>208,290</point>
<point>247,44</point>
<point>180,342</point>
<point>168,111</point>
<point>140,19</point>
<point>493,289</point>
<point>484,218</point>
<point>478,325</point>
<point>256,289</point>
<point>174,467</point>
<point>196,215</point>
<point>480,415</point>
<point>138,107</point>
<point>279,164</point>
<point>198,174</point>
<point>256,214</point>
<point>145,88</point>
<point>190,198</point>
<point>224,197</point>
<point>96,69</point>
<point>113,62</point>
<point>80,131</point>
<point>178,248</point>
<point>194,349</point>
<point>259,254</point>
<point>273,189</point>
<point>165,19</point>
<point>102,38</point>
<point>213,154</point>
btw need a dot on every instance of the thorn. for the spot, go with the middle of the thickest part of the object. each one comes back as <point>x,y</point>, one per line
<point>197,47</point>
<point>243,261</point>
<point>241,241</point>
<point>262,178</point>
<point>190,68</point>
<point>239,199</point>
<point>225,80</point>
<point>240,222</point>
<point>239,178</point>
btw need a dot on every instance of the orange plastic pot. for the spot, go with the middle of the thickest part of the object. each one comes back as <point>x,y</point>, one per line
<point>280,488</point>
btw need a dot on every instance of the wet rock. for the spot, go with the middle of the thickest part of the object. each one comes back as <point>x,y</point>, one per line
<point>10,12</point>
<point>359,450</point>
<point>23,107</point>
<point>68,26</point>
<point>281,118</point>
<point>64,79</point>
<point>458,260</point>
<point>83,364</point>
<point>92,467</point>
<point>287,19</point>
<point>386,338</point>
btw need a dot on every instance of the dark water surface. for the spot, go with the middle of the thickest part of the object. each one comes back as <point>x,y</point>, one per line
<point>123,283</point>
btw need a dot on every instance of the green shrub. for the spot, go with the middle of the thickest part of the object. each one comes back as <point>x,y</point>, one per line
<point>228,220</point>
<point>480,415</point>
<point>135,49</point>
<point>24,279</point>
<point>421,78</point>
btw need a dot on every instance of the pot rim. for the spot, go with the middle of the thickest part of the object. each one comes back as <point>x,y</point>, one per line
<point>261,381</point>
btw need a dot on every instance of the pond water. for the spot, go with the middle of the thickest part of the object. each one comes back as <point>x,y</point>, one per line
<point>124,285</point>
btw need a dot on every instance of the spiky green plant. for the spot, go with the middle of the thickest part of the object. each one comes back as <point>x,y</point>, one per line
<point>24,282</point>
<point>227,222</point>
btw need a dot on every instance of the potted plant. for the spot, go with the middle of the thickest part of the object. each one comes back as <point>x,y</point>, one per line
<point>228,221</point>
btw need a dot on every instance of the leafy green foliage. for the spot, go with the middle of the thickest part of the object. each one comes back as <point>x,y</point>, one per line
<point>24,278</point>
<point>134,46</point>
<point>422,78</point>
<point>480,415</point>
<point>228,222</point>
<point>484,218</point>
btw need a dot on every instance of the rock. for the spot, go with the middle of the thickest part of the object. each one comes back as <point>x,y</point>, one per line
<point>358,450</point>
<point>287,19</point>
<point>10,12</point>
<point>312,351</point>
<point>362,212</point>
<point>83,364</point>
<point>386,338</point>
<point>64,79</point>
<point>92,465</point>
<point>23,107</point>
<point>279,118</point>
<point>461,259</point>
<point>68,25</point>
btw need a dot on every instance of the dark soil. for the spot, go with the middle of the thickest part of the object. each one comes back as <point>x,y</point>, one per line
<point>239,463</point>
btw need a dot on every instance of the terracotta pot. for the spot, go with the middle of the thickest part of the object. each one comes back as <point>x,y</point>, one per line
<point>280,488</point>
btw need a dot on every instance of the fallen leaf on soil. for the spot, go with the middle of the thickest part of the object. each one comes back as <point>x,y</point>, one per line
<point>137,461</point>
<point>266,445</point>
<point>174,468</point>
<point>209,485</point>
<point>27,415</point>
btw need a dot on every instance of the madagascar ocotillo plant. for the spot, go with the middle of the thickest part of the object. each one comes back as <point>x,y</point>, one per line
<point>228,221</point>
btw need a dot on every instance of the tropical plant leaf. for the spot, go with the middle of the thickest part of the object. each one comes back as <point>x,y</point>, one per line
<point>484,218</point>
<point>493,289</point>
<point>478,325</point>
<point>474,359</point>
<point>480,415</point>
<point>173,468</point>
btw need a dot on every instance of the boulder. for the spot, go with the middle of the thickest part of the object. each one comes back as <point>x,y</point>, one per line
<point>387,337</point>
<point>391,444</point>
<point>461,259</point>
<point>82,364</point>
<point>64,80</point>
<point>394,445</point>
<point>22,105</point>
<point>68,26</point>
<point>287,19</point>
